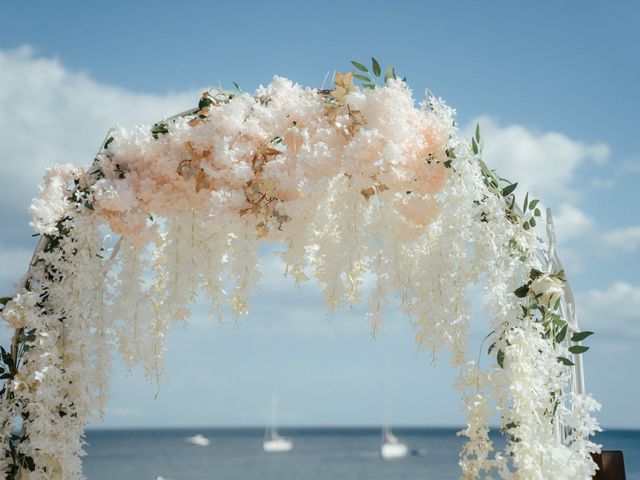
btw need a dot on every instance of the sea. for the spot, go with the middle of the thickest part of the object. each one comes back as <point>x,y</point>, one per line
<point>318,454</point>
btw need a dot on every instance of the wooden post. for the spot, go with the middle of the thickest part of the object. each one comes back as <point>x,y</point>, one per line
<point>610,465</point>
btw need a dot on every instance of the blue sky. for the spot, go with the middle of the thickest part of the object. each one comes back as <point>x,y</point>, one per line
<point>554,85</point>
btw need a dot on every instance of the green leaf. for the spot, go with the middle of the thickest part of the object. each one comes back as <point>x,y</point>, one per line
<point>578,349</point>
<point>526,226</point>
<point>375,67</point>
<point>478,132</point>
<point>532,222</point>
<point>106,144</point>
<point>159,128</point>
<point>237,86</point>
<point>205,101</point>
<point>533,203</point>
<point>388,74</point>
<point>5,300</point>
<point>474,145</point>
<point>535,273</point>
<point>369,85</point>
<point>500,358</point>
<point>509,189</point>
<point>558,320</point>
<point>364,78</point>
<point>447,164</point>
<point>522,291</point>
<point>565,361</point>
<point>359,66</point>
<point>537,212</point>
<point>562,334</point>
<point>578,337</point>
<point>526,203</point>
<point>26,462</point>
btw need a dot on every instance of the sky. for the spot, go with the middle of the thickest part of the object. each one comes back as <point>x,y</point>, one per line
<point>553,85</point>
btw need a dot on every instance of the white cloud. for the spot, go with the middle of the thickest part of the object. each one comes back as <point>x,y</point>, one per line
<point>543,163</point>
<point>571,222</point>
<point>624,240</point>
<point>53,115</point>
<point>614,310</point>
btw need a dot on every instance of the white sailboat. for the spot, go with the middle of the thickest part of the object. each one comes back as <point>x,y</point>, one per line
<point>273,442</point>
<point>392,448</point>
<point>198,440</point>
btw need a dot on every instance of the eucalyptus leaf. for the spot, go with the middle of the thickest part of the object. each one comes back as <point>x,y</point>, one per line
<point>509,189</point>
<point>578,349</point>
<point>388,74</point>
<point>526,203</point>
<point>565,361</point>
<point>500,358</point>
<point>364,78</point>
<point>375,66</point>
<point>474,145</point>
<point>578,337</point>
<point>562,334</point>
<point>478,132</point>
<point>359,66</point>
<point>522,291</point>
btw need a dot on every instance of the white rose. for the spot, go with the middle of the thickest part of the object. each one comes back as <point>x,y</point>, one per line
<point>547,290</point>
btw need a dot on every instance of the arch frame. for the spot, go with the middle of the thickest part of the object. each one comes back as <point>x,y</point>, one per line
<point>568,427</point>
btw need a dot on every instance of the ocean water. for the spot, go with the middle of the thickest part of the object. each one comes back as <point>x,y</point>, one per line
<point>318,454</point>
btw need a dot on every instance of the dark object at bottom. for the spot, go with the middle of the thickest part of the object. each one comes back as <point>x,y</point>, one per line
<point>610,465</point>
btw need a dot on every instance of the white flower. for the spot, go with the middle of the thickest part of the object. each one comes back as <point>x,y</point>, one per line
<point>547,289</point>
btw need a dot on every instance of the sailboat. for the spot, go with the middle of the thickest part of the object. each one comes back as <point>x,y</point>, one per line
<point>273,442</point>
<point>392,448</point>
<point>198,440</point>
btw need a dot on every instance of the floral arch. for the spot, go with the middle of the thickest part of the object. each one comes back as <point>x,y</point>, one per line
<point>352,181</point>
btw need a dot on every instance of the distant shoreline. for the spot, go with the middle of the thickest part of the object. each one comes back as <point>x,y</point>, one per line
<point>310,428</point>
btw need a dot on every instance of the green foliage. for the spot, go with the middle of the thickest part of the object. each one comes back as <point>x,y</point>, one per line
<point>578,349</point>
<point>565,361</point>
<point>500,358</point>
<point>560,336</point>
<point>509,189</point>
<point>375,67</point>
<point>521,292</point>
<point>359,66</point>
<point>372,76</point>
<point>578,337</point>
<point>160,128</point>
